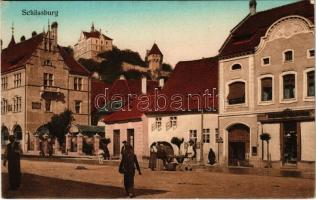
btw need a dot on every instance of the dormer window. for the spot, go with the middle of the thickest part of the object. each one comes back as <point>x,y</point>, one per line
<point>288,56</point>
<point>236,67</point>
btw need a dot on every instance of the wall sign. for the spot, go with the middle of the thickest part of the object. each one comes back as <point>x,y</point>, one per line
<point>36,105</point>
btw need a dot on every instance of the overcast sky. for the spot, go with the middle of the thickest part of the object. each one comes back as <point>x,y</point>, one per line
<point>183,30</point>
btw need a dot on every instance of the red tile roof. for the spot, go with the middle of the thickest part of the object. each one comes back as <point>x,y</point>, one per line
<point>246,35</point>
<point>121,88</point>
<point>155,50</point>
<point>189,77</point>
<point>74,66</point>
<point>15,57</point>
<point>95,34</point>
<point>98,88</point>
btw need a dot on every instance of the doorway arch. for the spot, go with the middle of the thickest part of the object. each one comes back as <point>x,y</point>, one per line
<point>17,132</point>
<point>4,135</point>
<point>238,144</point>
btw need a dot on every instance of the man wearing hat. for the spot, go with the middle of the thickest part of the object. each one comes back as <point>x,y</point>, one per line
<point>123,147</point>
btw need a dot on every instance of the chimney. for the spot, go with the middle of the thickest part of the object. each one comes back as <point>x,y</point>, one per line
<point>34,33</point>
<point>144,84</point>
<point>252,7</point>
<point>161,82</point>
<point>22,38</point>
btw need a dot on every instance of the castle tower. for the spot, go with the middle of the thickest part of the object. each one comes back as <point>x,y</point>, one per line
<point>154,59</point>
<point>252,7</point>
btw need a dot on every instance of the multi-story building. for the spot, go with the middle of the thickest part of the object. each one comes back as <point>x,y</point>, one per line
<point>266,78</point>
<point>90,44</point>
<point>40,79</point>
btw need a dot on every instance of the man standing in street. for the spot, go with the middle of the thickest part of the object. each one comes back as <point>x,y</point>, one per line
<point>12,155</point>
<point>127,167</point>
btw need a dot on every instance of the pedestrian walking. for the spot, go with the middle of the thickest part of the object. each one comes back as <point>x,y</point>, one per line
<point>211,157</point>
<point>12,156</point>
<point>153,156</point>
<point>106,151</point>
<point>50,147</point>
<point>41,147</point>
<point>127,167</point>
<point>190,154</point>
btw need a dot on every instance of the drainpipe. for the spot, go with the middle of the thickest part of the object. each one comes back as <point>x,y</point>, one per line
<point>201,143</point>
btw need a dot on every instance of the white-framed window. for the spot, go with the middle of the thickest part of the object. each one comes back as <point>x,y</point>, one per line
<point>77,107</point>
<point>266,89</point>
<point>17,80</point>
<point>309,84</point>
<point>235,66</point>
<point>77,83</point>
<point>236,94</point>
<point>17,104</point>
<point>4,106</point>
<point>265,61</point>
<point>4,83</point>
<point>193,135</point>
<point>310,53</point>
<point>158,123</point>
<point>173,121</point>
<point>288,56</point>
<point>48,62</point>
<point>288,85</point>
<point>206,135</point>
<point>48,79</point>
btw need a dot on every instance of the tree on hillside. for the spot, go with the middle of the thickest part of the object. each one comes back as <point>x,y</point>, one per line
<point>166,67</point>
<point>69,50</point>
<point>90,64</point>
<point>59,125</point>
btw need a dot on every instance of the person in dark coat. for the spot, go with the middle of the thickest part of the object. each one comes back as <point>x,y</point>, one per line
<point>123,147</point>
<point>127,167</point>
<point>106,151</point>
<point>153,156</point>
<point>50,147</point>
<point>211,157</point>
<point>12,155</point>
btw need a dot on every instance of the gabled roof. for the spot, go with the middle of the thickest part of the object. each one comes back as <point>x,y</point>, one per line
<point>73,65</point>
<point>15,56</point>
<point>246,36</point>
<point>189,77</point>
<point>155,50</point>
<point>95,34</point>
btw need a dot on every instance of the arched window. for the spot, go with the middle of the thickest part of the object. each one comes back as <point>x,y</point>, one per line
<point>236,67</point>
<point>266,89</point>
<point>288,56</point>
<point>311,83</point>
<point>17,132</point>
<point>4,135</point>
<point>236,93</point>
<point>289,86</point>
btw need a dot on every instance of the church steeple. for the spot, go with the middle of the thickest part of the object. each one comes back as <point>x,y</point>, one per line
<point>92,27</point>
<point>252,7</point>
<point>12,42</point>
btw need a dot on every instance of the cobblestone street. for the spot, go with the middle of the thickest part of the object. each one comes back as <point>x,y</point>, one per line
<point>62,180</point>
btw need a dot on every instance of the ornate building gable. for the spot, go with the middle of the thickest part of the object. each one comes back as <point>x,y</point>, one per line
<point>285,28</point>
